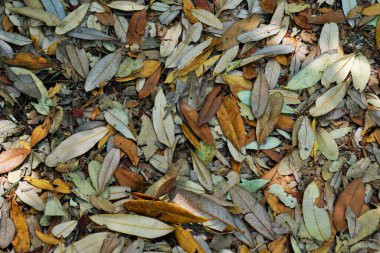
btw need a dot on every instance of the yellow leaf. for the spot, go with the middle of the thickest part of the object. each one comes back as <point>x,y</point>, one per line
<point>187,241</point>
<point>104,140</point>
<point>21,241</point>
<point>150,66</point>
<point>171,77</point>
<point>188,6</point>
<point>372,10</point>
<point>53,91</point>
<point>47,239</point>
<point>237,83</point>
<point>40,132</point>
<point>190,136</point>
<point>243,249</point>
<point>61,186</point>
<point>40,183</point>
<point>206,65</point>
<point>195,63</point>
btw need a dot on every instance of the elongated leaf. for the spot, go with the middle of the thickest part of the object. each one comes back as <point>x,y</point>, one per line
<point>64,229</point>
<point>170,40</point>
<point>187,241</point>
<point>72,20</point>
<point>48,18</point>
<point>78,59</point>
<point>164,211</point>
<point>369,222</point>
<point>10,159</point>
<point>109,165</point>
<point>259,33</point>
<point>329,100</point>
<point>75,145</point>
<point>103,70</point>
<point>126,6</point>
<point>272,73</point>
<point>312,73</point>
<point>147,137</point>
<point>305,138</point>
<point>353,197</point>
<point>163,121</point>
<point>255,213</point>
<point>89,34</point>
<point>89,244</point>
<point>259,95</point>
<point>347,6</point>
<point>267,122</point>
<point>21,242</point>
<point>27,195</point>
<point>227,57</point>
<point>119,120</point>
<point>193,53</point>
<point>231,122</point>
<point>372,10</point>
<point>360,72</point>
<point>133,225</point>
<point>202,172</point>
<point>55,7</point>
<point>136,28</point>
<point>7,227</point>
<point>14,38</point>
<point>338,71</point>
<point>316,219</point>
<point>207,18</point>
<point>210,106</point>
<point>329,39</point>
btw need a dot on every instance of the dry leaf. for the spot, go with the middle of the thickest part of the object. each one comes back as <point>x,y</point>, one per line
<point>28,60</point>
<point>47,239</point>
<point>210,106</point>
<point>10,159</point>
<point>150,84</point>
<point>40,132</point>
<point>259,95</point>
<point>187,241</point>
<point>372,10</point>
<point>136,28</point>
<point>128,147</point>
<point>21,242</point>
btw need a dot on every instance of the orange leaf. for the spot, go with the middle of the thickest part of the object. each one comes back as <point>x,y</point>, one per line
<point>191,116</point>
<point>164,211</point>
<point>47,239</point>
<point>40,183</point>
<point>136,28</point>
<point>334,16</point>
<point>28,60</point>
<point>10,159</point>
<point>104,140</point>
<point>231,122</point>
<point>128,147</point>
<point>372,10</point>
<point>353,197</point>
<point>21,241</point>
<point>187,241</point>
<point>278,246</point>
<point>150,84</point>
<point>40,132</point>
<point>129,178</point>
<point>149,67</point>
<point>61,186</point>
<point>210,106</point>
<point>188,6</point>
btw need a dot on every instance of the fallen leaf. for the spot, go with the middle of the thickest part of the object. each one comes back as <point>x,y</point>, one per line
<point>21,241</point>
<point>306,138</point>
<point>202,172</point>
<point>150,84</point>
<point>7,227</point>
<point>12,158</point>
<point>353,197</point>
<point>28,60</point>
<point>372,10</point>
<point>128,147</point>
<point>109,165</point>
<point>46,238</point>
<point>163,122</point>
<point>136,28</point>
<point>360,72</point>
<point>207,18</point>
<point>40,132</point>
<point>259,95</point>
<point>338,71</point>
<point>187,241</point>
<point>40,183</point>
<point>333,16</point>
<point>72,20</point>
<point>133,225</point>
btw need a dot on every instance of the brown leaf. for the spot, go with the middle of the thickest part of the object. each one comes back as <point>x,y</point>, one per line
<point>353,197</point>
<point>279,245</point>
<point>259,95</point>
<point>21,242</point>
<point>203,4</point>
<point>378,34</point>
<point>266,123</point>
<point>128,147</point>
<point>191,136</point>
<point>40,132</point>
<point>105,18</point>
<point>198,61</point>
<point>10,159</point>
<point>285,122</point>
<point>162,187</point>
<point>269,5</point>
<point>129,178</point>
<point>228,38</point>
<point>334,16</point>
<point>47,239</point>
<point>231,122</point>
<point>136,28</point>
<point>164,211</point>
<point>28,60</point>
<point>150,84</point>
<point>191,116</point>
<point>187,241</point>
<point>210,106</point>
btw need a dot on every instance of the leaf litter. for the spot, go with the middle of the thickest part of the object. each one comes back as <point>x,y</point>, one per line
<point>189,126</point>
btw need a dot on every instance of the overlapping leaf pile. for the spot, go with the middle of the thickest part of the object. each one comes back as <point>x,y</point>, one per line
<point>215,126</point>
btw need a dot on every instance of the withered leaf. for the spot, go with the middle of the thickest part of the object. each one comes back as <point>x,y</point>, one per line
<point>10,159</point>
<point>353,197</point>
<point>266,123</point>
<point>259,95</point>
<point>164,211</point>
<point>150,84</point>
<point>128,146</point>
<point>136,28</point>
<point>210,106</point>
<point>187,241</point>
<point>28,60</point>
<point>333,16</point>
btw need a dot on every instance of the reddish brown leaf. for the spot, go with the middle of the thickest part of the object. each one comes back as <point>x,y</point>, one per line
<point>334,16</point>
<point>191,116</point>
<point>105,18</point>
<point>210,106</point>
<point>136,28</point>
<point>10,159</point>
<point>129,178</point>
<point>128,147</point>
<point>352,196</point>
<point>150,84</point>
<point>231,122</point>
<point>269,5</point>
<point>203,4</point>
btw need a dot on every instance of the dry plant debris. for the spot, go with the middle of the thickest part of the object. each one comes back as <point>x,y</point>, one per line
<point>189,126</point>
